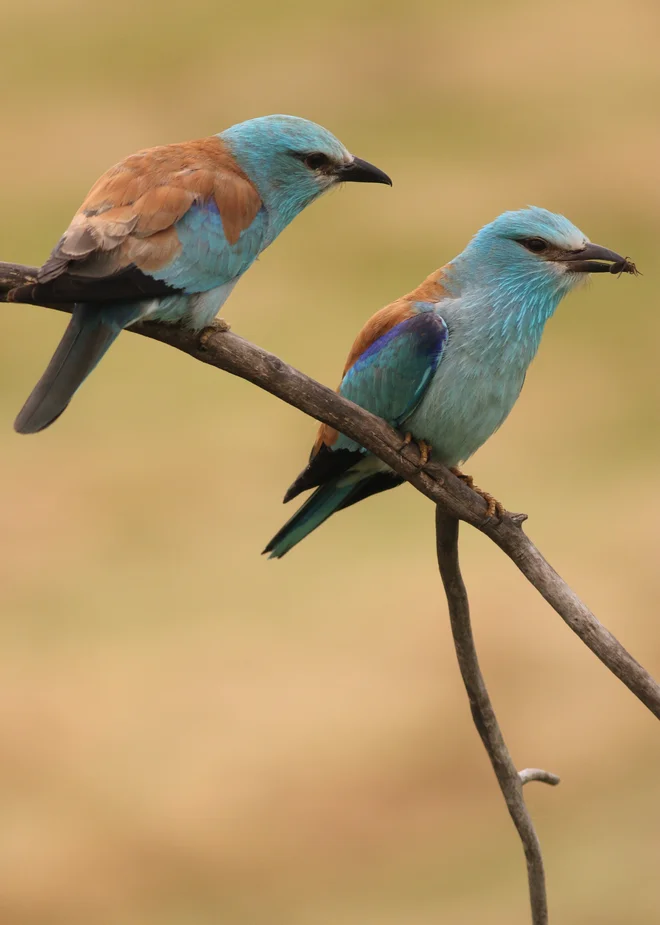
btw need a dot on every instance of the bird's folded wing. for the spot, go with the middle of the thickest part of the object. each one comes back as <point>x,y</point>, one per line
<point>388,378</point>
<point>391,375</point>
<point>163,219</point>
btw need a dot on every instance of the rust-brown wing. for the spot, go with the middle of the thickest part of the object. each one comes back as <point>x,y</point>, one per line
<point>125,230</point>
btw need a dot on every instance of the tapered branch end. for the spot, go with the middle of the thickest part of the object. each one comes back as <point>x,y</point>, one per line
<point>518,519</point>
<point>544,777</point>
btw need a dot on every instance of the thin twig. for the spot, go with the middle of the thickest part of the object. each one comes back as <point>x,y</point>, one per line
<point>511,783</point>
<point>544,777</point>
<point>227,351</point>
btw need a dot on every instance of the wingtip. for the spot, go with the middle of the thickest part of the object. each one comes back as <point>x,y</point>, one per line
<point>296,488</point>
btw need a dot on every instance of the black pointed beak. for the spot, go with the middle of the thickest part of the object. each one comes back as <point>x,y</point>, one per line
<point>596,259</point>
<point>359,171</point>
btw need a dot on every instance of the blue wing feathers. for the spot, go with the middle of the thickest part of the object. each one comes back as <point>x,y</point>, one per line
<point>391,376</point>
<point>206,259</point>
<point>388,379</point>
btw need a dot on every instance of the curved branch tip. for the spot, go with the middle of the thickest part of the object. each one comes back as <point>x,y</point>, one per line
<point>545,777</point>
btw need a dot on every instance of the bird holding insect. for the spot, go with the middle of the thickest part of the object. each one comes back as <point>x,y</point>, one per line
<point>446,363</point>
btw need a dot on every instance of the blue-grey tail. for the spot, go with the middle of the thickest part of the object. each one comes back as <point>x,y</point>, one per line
<point>325,501</point>
<point>339,493</point>
<point>89,334</point>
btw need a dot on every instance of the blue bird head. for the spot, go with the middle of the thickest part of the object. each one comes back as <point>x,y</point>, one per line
<point>516,270</point>
<point>293,161</point>
<point>537,249</point>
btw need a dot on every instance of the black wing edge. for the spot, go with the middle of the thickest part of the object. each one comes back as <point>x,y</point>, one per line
<point>327,464</point>
<point>381,481</point>
<point>128,285</point>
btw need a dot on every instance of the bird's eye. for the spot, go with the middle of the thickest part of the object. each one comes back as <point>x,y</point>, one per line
<point>316,161</point>
<point>535,245</point>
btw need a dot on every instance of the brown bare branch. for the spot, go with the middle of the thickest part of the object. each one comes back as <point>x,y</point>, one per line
<point>225,350</point>
<point>483,714</point>
<point>454,501</point>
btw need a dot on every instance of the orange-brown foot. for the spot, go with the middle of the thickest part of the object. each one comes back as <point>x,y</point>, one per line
<point>423,447</point>
<point>495,507</point>
<point>207,333</point>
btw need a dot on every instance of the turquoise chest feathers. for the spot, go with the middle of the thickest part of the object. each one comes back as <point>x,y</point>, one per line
<point>494,332</point>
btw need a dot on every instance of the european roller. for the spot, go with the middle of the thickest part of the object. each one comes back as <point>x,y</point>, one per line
<point>167,233</point>
<point>446,363</point>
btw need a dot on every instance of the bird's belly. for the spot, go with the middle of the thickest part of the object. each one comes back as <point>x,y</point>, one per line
<point>197,311</point>
<point>463,408</point>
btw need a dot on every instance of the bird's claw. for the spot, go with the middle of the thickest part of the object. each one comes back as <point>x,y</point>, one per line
<point>423,447</point>
<point>495,508</point>
<point>219,326</point>
<point>424,452</point>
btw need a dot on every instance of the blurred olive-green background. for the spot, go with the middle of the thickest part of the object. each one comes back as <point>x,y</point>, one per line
<point>190,734</point>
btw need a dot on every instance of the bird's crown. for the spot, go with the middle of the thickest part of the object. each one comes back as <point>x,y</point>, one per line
<point>282,134</point>
<point>533,222</point>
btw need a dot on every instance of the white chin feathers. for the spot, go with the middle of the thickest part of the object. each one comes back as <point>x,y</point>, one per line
<point>568,278</point>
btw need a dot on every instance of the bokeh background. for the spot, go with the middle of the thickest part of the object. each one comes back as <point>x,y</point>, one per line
<point>191,734</point>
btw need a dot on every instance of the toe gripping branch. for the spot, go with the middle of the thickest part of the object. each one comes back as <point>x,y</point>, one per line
<point>495,507</point>
<point>423,448</point>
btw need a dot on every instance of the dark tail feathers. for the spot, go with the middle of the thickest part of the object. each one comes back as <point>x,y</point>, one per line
<point>85,341</point>
<point>327,500</point>
<point>318,507</point>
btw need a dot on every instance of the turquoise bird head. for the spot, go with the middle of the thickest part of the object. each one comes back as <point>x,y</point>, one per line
<point>293,161</point>
<point>537,250</point>
<point>519,267</point>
